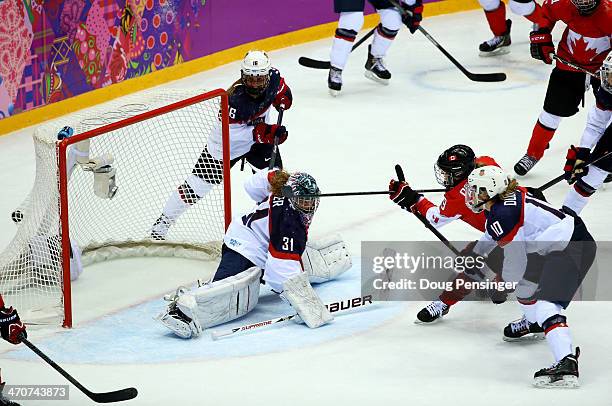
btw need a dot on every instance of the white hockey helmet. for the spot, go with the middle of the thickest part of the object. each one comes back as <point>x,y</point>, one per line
<point>605,73</point>
<point>491,180</point>
<point>255,72</point>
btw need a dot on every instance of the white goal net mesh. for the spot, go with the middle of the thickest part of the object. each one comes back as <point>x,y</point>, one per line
<point>151,159</point>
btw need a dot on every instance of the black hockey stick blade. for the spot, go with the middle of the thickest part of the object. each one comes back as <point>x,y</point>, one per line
<point>102,397</point>
<point>313,63</point>
<point>400,173</point>
<point>486,77</point>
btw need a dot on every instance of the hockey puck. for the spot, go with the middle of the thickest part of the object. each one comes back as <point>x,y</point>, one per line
<point>17,216</point>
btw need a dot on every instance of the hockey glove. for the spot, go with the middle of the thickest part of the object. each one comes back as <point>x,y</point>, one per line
<point>413,16</point>
<point>403,195</point>
<point>576,163</point>
<point>265,133</point>
<point>283,98</point>
<point>11,326</point>
<point>542,45</point>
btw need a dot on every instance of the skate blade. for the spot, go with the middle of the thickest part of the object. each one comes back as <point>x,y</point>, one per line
<point>334,93</point>
<point>375,78</point>
<point>427,323</point>
<point>499,51</point>
<point>526,338</point>
<point>567,382</point>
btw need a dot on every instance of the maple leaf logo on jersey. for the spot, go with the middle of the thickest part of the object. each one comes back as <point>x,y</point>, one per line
<point>585,49</point>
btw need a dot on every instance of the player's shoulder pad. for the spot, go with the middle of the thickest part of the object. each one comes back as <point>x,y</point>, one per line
<point>485,161</point>
<point>506,217</point>
<point>288,234</point>
<point>603,99</point>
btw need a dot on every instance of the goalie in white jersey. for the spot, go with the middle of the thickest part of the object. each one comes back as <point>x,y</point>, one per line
<point>534,234</point>
<point>269,244</point>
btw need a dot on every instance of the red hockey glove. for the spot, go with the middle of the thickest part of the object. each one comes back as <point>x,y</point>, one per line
<point>283,98</point>
<point>576,163</point>
<point>542,45</point>
<point>414,15</point>
<point>403,195</point>
<point>11,326</point>
<point>264,133</point>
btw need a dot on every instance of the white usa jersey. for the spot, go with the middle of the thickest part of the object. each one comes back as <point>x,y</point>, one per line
<point>272,236</point>
<point>522,225</point>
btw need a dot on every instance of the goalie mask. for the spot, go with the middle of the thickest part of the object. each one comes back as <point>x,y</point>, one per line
<point>586,7</point>
<point>304,184</point>
<point>454,165</point>
<point>484,183</point>
<point>605,74</point>
<point>255,72</point>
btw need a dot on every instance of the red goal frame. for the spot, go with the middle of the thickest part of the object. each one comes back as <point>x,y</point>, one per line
<point>62,146</point>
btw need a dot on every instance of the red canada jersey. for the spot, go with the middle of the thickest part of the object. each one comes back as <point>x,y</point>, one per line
<point>586,39</point>
<point>453,206</point>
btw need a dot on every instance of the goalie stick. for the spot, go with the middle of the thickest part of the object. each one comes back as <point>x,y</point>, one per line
<point>333,307</point>
<point>316,64</point>
<point>288,192</point>
<point>101,397</point>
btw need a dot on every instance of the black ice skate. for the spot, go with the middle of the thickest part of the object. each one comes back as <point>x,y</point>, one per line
<point>375,69</point>
<point>562,374</point>
<point>334,81</point>
<point>432,312</point>
<point>498,45</point>
<point>524,165</point>
<point>5,401</point>
<point>523,330</point>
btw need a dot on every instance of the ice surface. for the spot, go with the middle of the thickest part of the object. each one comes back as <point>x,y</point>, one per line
<point>349,143</point>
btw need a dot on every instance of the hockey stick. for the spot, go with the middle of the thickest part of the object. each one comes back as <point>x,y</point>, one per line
<point>288,192</point>
<point>333,307</point>
<point>281,110</point>
<point>400,176</point>
<point>572,65</point>
<point>476,77</point>
<point>562,176</point>
<point>317,64</point>
<point>103,397</point>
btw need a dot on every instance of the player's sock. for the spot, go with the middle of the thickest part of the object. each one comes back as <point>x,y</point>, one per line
<point>383,37</point>
<point>536,16</point>
<point>341,48</point>
<point>497,20</point>
<point>578,196</point>
<point>451,297</point>
<point>543,132</point>
<point>185,196</point>
<point>559,339</point>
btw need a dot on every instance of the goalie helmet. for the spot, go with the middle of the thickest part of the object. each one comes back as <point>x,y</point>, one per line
<point>586,7</point>
<point>255,72</point>
<point>454,165</point>
<point>490,180</point>
<point>302,184</point>
<point>605,73</point>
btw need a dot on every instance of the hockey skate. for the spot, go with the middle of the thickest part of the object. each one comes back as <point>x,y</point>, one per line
<point>375,69</point>
<point>334,81</point>
<point>562,374</point>
<point>432,313</point>
<point>498,45</point>
<point>523,330</point>
<point>525,164</point>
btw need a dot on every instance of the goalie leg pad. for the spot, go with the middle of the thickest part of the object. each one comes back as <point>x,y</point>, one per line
<point>227,299</point>
<point>302,297</point>
<point>326,259</point>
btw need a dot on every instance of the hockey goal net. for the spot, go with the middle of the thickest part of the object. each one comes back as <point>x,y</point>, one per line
<point>150,142</point>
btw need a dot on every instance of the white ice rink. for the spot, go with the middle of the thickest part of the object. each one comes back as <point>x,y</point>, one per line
<point>349,143</point>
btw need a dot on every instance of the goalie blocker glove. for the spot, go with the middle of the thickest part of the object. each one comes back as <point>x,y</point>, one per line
<point>265,133</point>
<point>541,45</point>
